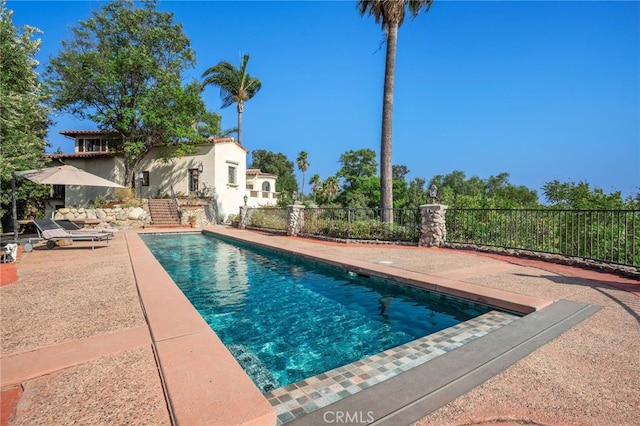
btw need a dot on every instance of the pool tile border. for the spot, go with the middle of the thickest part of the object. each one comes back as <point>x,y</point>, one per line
<point>303,397</point>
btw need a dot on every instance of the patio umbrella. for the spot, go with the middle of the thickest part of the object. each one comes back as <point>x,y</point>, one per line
<point>66,175</point>
<point>58,175</point>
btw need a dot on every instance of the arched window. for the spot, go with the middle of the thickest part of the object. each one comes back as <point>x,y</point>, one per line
<point>266,186</point>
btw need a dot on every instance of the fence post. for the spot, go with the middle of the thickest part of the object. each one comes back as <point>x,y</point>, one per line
<point>433,232</point>
<point>295,219</point>
<point>244,217</point>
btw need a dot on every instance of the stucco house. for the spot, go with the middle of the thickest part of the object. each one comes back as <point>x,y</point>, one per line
<point>218,165</point>
<point>260,188</point>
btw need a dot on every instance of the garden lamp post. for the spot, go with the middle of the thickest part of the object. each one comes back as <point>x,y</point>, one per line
<point>140,179</point>
<point>214,202</point>
<point>245,198</point>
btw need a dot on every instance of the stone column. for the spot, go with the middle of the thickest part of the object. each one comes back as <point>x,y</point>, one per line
<point>244,217</point>
<point>295,219</point>
<point>434,226</point>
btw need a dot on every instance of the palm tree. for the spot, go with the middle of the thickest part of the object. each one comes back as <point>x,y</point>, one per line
<point>303,164</point>
<point>236,86</point>
<point>389,13</point>
<point>316,184</point>
<point>331,186</point>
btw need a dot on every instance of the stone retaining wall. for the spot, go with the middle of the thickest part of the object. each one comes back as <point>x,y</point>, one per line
<point>115,217</point>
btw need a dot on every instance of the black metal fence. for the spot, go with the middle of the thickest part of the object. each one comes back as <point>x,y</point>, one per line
<point>362,224</point>
<point>610,236</point>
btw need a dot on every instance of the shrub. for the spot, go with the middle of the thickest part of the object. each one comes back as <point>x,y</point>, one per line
<point>269,218</point>
<point>100,202</point>
<point>124,194</point>
<point>127,197</point>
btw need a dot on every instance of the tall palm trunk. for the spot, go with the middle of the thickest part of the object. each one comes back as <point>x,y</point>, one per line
<point>386,176</point>
<point>240,111</point>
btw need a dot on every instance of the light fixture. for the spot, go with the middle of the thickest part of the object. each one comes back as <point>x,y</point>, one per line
<point>140,182</point>
<point>433,191</point>
<point>245,198</point>
<point>200,167</point>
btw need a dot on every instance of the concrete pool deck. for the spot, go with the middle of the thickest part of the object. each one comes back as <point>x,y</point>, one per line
<point>79,346</point>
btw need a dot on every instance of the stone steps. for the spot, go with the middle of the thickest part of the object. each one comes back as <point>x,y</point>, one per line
<point>163,212</point>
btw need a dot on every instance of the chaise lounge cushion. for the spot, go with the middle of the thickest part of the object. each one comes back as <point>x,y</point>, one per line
<point>55,233</point>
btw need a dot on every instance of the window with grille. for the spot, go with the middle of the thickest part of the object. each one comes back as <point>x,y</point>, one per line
<point>58,192</point>
<point>194,178</point>
<point>92,145</point>
<point>233,179</point>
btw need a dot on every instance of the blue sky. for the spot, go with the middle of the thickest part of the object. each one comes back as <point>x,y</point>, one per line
<point>540,90</point>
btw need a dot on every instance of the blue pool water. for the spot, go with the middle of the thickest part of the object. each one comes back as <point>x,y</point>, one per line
<point>286,319</point>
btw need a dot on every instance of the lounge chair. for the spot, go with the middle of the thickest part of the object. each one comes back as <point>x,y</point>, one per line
<point>73,228</point>
<point>50,231</point>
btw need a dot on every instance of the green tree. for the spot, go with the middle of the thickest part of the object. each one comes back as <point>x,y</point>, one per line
<point>209,125</point>
<point>456,191</point>
<point>331,187</point>
<point>506,195</point>
<point>356,165</point>
<point>24,118</point>
<point>399,171</point>
<point>236,85</point>
<point>571,195</point>
<point>303,164</point>
<point>390,14</point>
<point>122,69</point>
<point>364,192</point>
<point>316,185</point>
<point>277,164</point>
<point>416,193</point>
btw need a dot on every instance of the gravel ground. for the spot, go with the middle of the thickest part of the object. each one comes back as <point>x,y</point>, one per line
<point>65,295</point>
<point>69,293</point>
<point>112,390</point>
<point>587,376</point>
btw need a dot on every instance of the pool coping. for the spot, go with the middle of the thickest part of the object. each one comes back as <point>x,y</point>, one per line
<point>215,388</point>
<point>202,381</point>
<point>505,300</point>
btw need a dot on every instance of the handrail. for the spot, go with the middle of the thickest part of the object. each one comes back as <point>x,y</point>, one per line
<point>175,200</point>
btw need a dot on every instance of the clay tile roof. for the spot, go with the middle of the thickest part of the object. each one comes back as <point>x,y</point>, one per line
<point>215,140</point>
<point>73,133</point>
<point>257,172</point>
<point>80,155</point>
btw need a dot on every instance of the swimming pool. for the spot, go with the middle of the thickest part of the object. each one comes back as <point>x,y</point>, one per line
<point>286,319</point>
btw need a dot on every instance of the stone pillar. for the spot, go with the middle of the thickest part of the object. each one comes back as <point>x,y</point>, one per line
<point>244,217</point>
<point>434,226</point>
<point>295,219</point>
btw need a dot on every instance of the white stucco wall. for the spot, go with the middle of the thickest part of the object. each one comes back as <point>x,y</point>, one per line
<point>110,168</point>
<point>230,196</point>
<point>215,157</point>
<point>257,196</point>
